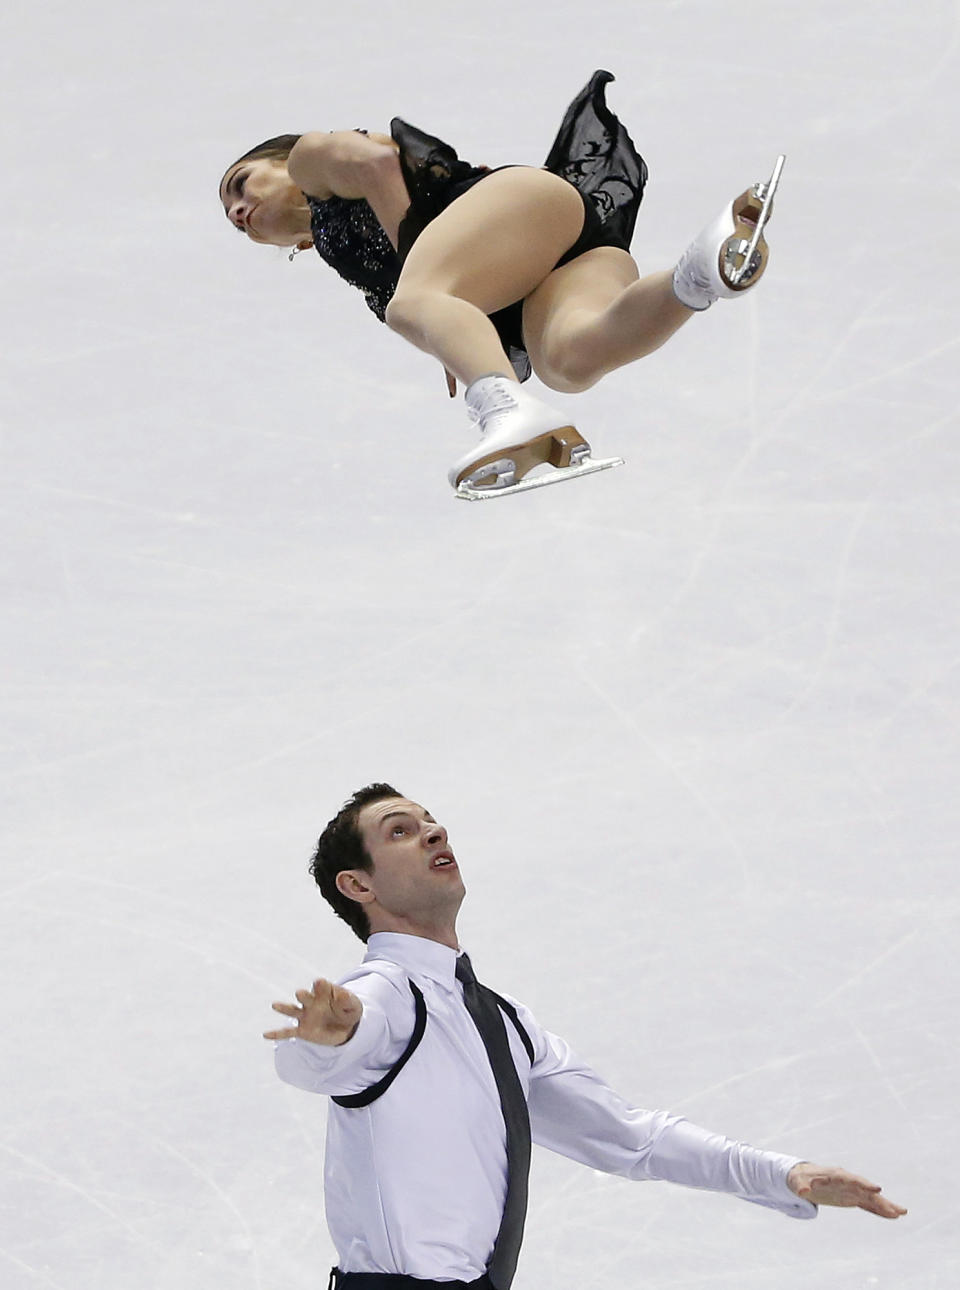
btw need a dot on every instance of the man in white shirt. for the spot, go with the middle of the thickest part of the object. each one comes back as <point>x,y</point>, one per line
<point>418,1188</point>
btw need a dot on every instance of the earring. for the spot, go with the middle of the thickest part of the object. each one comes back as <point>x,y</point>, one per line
<point>295,250</point>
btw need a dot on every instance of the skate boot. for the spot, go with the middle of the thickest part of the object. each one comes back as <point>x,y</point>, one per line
<point>517,434</point>
<point>731,254</point>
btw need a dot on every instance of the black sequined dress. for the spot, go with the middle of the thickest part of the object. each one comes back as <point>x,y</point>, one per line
<point>592,151</point>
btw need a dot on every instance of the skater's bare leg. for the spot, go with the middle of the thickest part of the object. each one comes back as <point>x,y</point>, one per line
<point>455,331</point>
<point>596,314</point>
<point>491,247</point>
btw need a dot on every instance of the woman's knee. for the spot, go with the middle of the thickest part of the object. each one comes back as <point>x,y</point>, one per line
<point>563,384</point>
<point>405,311</point>
<point>568,372</point>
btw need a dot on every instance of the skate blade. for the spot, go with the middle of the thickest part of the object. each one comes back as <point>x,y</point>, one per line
<point>743,257</point>
<point>561,447</point>
<point>587,466</point>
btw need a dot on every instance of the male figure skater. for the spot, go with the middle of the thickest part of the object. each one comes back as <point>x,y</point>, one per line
<point>438,1085</point>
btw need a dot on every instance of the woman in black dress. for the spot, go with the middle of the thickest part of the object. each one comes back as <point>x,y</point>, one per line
<point>497,271</point>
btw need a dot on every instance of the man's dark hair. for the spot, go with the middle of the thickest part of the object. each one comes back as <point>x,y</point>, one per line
<point>341,847</point>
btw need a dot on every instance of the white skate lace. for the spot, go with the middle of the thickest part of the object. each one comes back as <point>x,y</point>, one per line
<point>692,279</point>
<point>496,403</point>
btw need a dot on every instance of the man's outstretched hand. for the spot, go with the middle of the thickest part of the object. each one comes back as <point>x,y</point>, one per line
<point>327,1014</point>
<point>827,1185</point>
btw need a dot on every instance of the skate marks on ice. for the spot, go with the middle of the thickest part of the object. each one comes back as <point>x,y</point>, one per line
<point>81,1150</point>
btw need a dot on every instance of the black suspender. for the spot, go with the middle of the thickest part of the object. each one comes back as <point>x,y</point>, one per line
<point>377,1090</point>
<point>419,1026</point>
<point>511,1012</point>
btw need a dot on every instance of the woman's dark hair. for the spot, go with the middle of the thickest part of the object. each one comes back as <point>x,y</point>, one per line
<point>341,847</point>
<point>277,149</point>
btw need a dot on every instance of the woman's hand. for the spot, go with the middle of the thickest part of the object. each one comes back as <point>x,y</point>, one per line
<point>328,1014</point>
<point>828,1185</point>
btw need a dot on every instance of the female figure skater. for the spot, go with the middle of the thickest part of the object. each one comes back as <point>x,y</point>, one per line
<point>497,271</point>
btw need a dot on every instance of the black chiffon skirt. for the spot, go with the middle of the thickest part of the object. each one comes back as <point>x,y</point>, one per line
<point>592,151</point>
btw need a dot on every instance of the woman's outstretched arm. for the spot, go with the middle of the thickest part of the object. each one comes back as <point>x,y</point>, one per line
<point>346,163</point>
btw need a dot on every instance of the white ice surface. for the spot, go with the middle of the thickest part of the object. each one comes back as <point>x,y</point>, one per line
<point>692,724</point>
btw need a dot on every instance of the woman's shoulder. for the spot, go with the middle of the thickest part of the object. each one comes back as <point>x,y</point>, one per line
<point>337,162</point>
<point>305,165</point>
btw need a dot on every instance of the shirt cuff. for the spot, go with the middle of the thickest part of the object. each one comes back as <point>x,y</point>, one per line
<point>793,1206</point>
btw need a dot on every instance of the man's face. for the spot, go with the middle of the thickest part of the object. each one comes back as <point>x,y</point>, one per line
<point>415,875</point>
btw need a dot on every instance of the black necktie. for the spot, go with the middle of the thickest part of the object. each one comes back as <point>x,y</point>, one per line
<point>482,1006</point>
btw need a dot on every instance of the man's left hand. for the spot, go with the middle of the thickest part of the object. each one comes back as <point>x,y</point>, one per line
<point>829,1185</point>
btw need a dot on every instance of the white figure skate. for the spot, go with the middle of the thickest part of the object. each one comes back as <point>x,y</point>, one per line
<point>731,254</point>
<point>518,433</point>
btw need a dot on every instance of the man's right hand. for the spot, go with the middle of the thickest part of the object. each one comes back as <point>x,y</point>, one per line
<point>327,1014</point>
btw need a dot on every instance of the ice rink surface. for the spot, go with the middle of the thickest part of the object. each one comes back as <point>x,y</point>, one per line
<point>692,724</point>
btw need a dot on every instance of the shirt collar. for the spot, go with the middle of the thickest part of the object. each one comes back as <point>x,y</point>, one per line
<point>415,954</point>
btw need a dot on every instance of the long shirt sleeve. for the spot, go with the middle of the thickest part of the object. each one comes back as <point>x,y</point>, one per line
<point>575,1113</point>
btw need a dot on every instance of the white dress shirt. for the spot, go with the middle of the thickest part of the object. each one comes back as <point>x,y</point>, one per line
<point>415,1182</point>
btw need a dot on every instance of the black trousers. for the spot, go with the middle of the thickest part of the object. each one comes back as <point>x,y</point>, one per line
<point>393,1281</point>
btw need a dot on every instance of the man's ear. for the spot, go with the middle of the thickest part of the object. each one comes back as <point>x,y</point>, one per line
<point>354,884</point>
